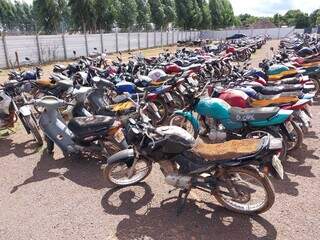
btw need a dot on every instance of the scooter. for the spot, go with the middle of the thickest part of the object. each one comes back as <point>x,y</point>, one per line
<point>98,135</point>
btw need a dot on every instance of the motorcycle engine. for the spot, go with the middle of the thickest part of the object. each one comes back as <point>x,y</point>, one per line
<point>179,181</point>
<point>216,132</point>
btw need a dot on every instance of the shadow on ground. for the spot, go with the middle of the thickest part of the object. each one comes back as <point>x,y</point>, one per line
<point>83,172</point>
<point>209,221</point>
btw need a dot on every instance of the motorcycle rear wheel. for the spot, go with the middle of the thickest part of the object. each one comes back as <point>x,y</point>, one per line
<point>236,180</point>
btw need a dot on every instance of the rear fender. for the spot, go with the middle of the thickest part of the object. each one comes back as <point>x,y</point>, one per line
<point>125,156</point>
<point>300,104</point>
<point>190,117</point>
<point>279,118</point>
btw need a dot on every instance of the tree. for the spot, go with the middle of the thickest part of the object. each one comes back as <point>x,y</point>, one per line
<point>227,13</point>
<point>127,13</point>
<point>83,14</point>
<point>206,17</point>
<point>48,14</point>
<point>314,16</point>
<point>106,13</point>
<point>7,15</point>
<point>216,10</point>
<point>157,13</point>
<point>188,13</point>
<point>296,18</point>
<point>277,20</point>
<point>169,12</point>
<point>246,19</point>
<point>143,13</point>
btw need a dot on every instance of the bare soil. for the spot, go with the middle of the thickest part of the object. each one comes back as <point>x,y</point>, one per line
<point>54,198</point>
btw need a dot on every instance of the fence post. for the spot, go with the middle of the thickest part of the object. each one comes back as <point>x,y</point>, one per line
<point>147,38</point>
<point>86,43</point>
<point>173,37</point>
<point>139,40</point>
<point>5,49</point>
<point>64,46</point>
<point>167,37</point>
<point>155,39</point>
<point>117,42</point>
<point>278,33</point>
<point>38,47</point>
<point>129,46</point>
<point>101,41</point>
<point>161,38</point>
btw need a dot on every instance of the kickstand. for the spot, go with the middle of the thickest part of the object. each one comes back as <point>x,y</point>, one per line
<point>182,200</point>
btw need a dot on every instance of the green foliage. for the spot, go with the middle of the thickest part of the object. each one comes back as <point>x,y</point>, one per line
<point>83,14</point>
<point>127,13</point>
<point>315,18</point>
<point>157,13</point>
<point>106,13</point>
<point>169,12</point>
<point>206,16</point>
<point>143,13</point>
<point>246,19</point>
<point>188,13</point>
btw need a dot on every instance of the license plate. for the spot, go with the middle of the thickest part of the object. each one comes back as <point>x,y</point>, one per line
<point>277,165</point>
<point>169,97</point>
<point>119,136</point>
<point>181,88</point>
<point>289,127</point>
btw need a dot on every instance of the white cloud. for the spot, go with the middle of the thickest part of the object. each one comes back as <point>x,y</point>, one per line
<point>270,7</point>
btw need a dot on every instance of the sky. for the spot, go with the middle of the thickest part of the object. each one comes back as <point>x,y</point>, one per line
<point>267,7</point>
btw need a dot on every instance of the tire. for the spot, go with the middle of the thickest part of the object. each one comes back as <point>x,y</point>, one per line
<point>299,138</point>
<point>260,178</point>
<point>163,110</point>
<point>34,130</point>
<point>181,121</point>
<point>283,154</point>
<point>316,83</point>
<point>107,171</point>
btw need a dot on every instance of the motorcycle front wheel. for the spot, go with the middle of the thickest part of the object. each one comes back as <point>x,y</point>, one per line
<point>245,190</point>
<point>34,130</point>
<point>119,174</point>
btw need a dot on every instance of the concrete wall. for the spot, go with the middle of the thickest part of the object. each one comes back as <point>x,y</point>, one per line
<point>275,33</point>
<point>46,48</point>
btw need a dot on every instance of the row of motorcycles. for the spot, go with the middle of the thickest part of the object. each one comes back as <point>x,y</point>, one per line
<point>210,120</point>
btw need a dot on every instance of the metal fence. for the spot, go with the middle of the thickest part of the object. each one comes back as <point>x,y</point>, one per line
<point>274,33</point>
<point>46,48</point>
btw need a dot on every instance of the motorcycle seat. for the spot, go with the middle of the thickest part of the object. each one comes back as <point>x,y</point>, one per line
<point>90,126</point>
<point>251,114</point>
<point>124,98</point>
<point>228,150</point>
<point>278,89</point>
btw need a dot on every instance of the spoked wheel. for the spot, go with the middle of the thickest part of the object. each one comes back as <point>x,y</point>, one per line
<point>268,132</point>
<point>244,190</point>
<point>34,130</point>
<point>296,133</point>
<point>181,121</point>
<point>119,174</point>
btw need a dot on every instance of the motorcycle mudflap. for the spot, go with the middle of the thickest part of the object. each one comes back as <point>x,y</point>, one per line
<point>126,156</point>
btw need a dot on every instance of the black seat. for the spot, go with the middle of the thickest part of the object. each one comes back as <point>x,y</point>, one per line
<point>90,126</point>
<point>250,114</point>
<point>278,89</point>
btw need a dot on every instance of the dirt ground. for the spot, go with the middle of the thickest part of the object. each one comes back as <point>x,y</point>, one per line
<point>54,198</point>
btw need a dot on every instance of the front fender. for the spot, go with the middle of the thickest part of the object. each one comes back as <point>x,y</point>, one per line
<point>190,117</point>
<point>126,156</point>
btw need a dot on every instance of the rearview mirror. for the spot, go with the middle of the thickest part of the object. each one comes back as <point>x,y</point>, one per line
<point>74,53</point>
